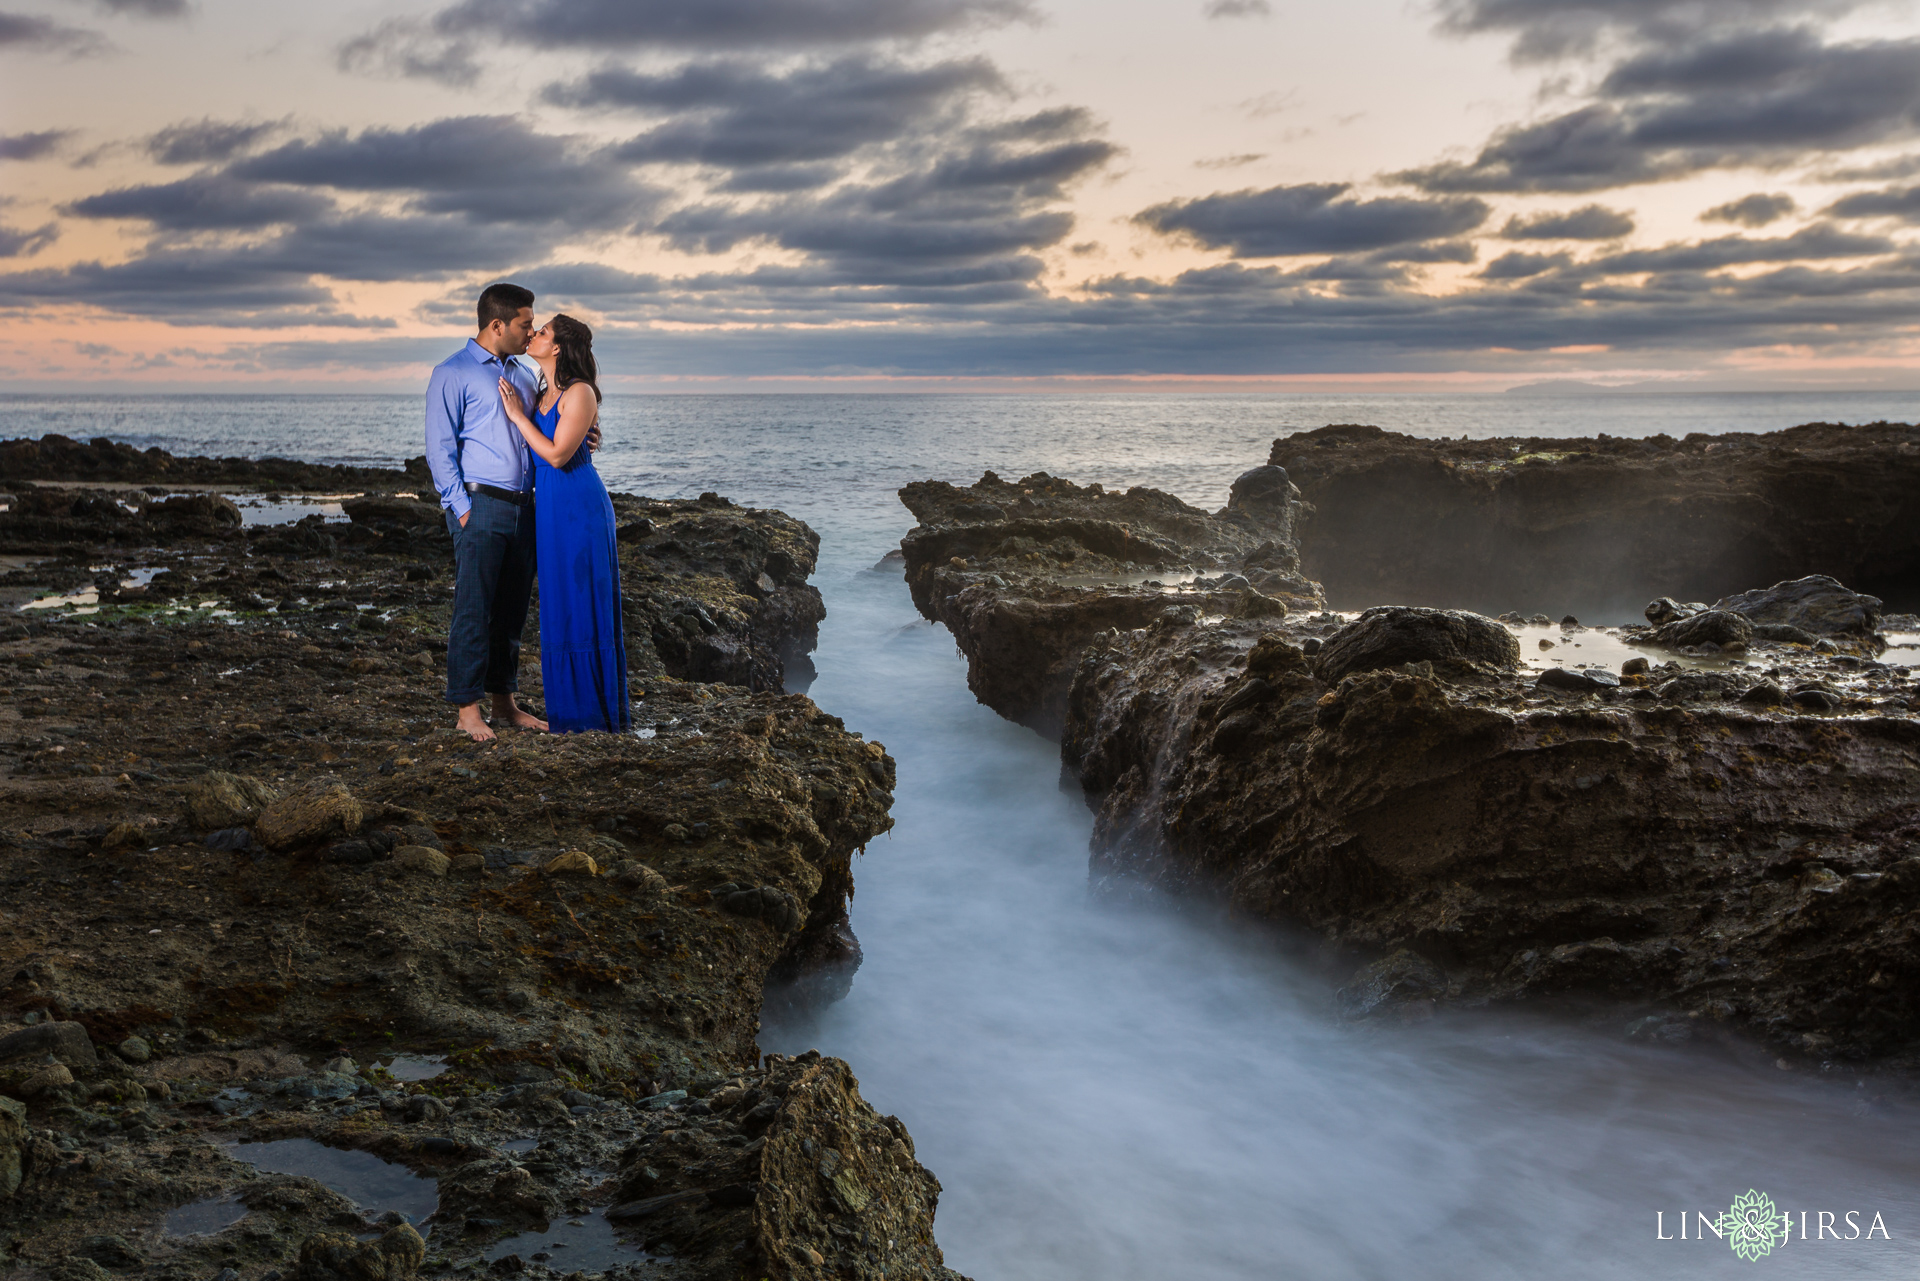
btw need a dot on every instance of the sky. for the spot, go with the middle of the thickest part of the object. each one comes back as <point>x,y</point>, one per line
<point>967,194</point>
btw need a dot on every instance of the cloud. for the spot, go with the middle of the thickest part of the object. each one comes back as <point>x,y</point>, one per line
<point>602,24</point>
<point>185,289</point>
<point>449,45</point>
<point>1756,210</point>
<point>1520,266</point>
<point>275,283</point>
<point>737,114</point>
<point>1590,222</point>
<point>32,146</point>
<point>29,31</point>
<point>200,141</point>
<point>205,202</point>
<point>1238,9</point>
<point>147,8</point>
<point>1550,29</point>
<point>1310,219</point>
<point>1230,162</point>
<point>1822,240</point>
<point>1900,202</point>
<point>406,47</point>
<point>15,243</point>
<point>1767,98</point>
<point>489,168</point>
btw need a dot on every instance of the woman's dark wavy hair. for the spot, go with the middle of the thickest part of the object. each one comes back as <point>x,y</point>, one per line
<point>573,363</point>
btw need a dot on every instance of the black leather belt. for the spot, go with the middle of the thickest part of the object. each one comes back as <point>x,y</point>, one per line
<point>518,497</point>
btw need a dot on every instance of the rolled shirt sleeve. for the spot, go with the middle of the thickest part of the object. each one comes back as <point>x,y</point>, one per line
<point>446,408</point>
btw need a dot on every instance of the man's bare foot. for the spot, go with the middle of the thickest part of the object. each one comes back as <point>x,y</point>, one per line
<point>508,712</point>
<point>475,724</point>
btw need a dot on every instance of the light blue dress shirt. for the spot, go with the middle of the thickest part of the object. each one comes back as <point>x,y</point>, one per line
<point>469,436</point>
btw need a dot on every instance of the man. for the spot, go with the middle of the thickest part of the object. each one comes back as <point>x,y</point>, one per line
<point>481,467</point>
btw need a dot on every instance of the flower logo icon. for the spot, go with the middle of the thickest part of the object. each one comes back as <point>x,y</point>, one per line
<point>1753,1226</point>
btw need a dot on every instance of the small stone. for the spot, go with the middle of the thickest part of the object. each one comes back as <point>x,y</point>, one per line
<point>230,840</point>
<point>109,1251</point>
<point>1545,643</point>
<point>424,1107</point>
<point>638,876</point>
<point>572,863</point>
<point>218,800</point>
<point>466,863</point>
<point>309,818</point>
<point>124,836</point>
<point>68,1043</point>
<point>1579,680</point>
<point>134,1050</point>
<point>1635,667</point>
<point>420,859</point>
<point>338,1256</point>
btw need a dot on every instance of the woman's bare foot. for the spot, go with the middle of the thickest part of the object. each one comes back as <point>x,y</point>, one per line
<point>508,712</point>
<point>475,724</point>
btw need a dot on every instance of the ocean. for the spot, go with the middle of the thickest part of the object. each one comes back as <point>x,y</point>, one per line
<point>1135,1093</point>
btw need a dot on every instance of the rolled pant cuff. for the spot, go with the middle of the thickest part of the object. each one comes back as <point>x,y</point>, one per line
<point>463,698</point>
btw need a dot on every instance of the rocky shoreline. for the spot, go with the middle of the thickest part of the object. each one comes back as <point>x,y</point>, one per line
<point>1716,832</point>
<point>248,863</point>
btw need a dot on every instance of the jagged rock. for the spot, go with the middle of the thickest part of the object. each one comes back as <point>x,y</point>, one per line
<point>640,877</point>
<point>1578,679</point>
<point>217,800</point>
<point>68,1043</point>
<point>1397,980</point>
<point>308,818</point>
<point>16,1161</point>
<point>1589,525</point>
<point>190,514</point>
<point>1815,605</point>
<point>572,863</point>
<point>494,1189</point>
<point>1666,609</point>
<point>1711,627</point>
<point>1390,635</point>
<point>987,560</point>
<point>1540,845</point>
<point>338,1256</point>
<point>822,1168</point>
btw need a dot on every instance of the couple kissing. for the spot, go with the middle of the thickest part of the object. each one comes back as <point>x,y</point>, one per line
<point>512,423</point>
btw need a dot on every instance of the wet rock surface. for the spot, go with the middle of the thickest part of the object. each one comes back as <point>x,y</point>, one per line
<point>246,861</point>
<point>1025,574</point>
<point>1661,839</point>
<point>1718,834</point>
<point>1591,523</point>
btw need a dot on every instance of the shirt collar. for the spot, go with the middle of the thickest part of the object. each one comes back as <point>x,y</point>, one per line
<point>484,357</point>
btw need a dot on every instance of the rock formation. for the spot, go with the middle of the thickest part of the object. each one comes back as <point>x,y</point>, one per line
<point>242,846</point>
<point>1587,525</point>
<point>1025,574</point>
<point>1726,832</point>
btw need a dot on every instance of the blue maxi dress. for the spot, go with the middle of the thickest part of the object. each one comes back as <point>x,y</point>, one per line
<point>583,646</point>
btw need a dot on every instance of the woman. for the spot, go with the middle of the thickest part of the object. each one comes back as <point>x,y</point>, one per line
<point>583,648</point>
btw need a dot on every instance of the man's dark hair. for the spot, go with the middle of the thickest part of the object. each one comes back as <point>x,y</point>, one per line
<point>502,302</point>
